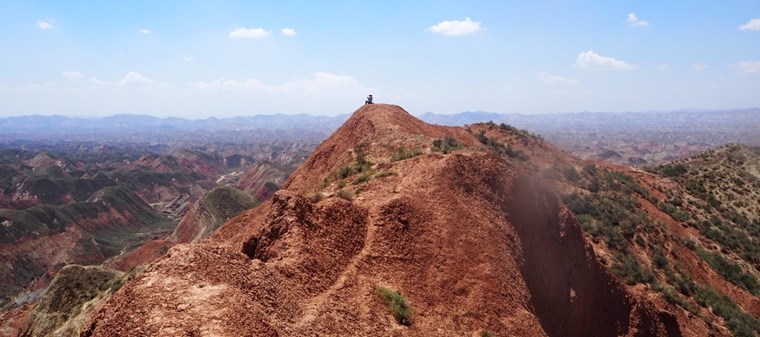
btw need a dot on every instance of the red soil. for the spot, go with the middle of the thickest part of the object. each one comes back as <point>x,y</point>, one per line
<point>474,242</point>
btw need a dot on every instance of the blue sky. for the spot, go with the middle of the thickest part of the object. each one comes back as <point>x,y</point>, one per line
<point>198,59</point>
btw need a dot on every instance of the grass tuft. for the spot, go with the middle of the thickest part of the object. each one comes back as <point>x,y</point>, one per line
<point>343,194</point>
<point>397,304</point>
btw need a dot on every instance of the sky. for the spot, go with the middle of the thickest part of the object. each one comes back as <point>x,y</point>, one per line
<point>198,59</point>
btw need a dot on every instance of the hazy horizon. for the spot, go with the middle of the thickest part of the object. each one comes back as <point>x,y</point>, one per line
<point>203,59</point>
<point>415,113</point>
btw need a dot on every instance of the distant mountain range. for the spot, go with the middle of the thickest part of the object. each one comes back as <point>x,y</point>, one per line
<point>742,119</point>
<point>686,120</point>
<point>144,123</point>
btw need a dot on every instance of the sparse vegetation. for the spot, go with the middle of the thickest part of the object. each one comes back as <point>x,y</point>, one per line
<point>403,153</point>
<point>344,194</point>
<point>486,333</point>
<point>382,174</point>
<point>447,144</point>
<point>362,178</point>
<point>673,170</point>
<point>517,154</point>
<point>613,216</point>
<point>570,173</point>
<point>397,304</point>
<point>727,211</point>
<point>730,270</point>
<point>522,133</point>
<point>740,323</point>
<point>317,197</point>
<point>360,166</point>
<point>631,271</point>
<point>223,203</point>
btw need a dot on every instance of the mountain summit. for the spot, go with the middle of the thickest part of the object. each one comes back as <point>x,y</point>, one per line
<point>393,227</point>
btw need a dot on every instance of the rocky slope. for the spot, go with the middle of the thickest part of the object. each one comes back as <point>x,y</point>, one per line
<point>456,229</point>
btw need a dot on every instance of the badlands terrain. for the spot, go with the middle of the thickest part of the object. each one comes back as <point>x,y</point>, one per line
<point>393,226</point>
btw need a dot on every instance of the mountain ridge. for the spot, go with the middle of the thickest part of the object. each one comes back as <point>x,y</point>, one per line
<point>450,225</point>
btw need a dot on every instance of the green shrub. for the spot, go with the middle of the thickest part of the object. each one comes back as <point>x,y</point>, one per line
<point>345,172</point>
<point>360,165</point>
<point>481,136</point>
<point>571,174</point>
<point>673,170</point>
<point>517,154</point>
<point>631,271</point>
<point>397,304</point>
<point>660,261</point>
<point>447,144</point>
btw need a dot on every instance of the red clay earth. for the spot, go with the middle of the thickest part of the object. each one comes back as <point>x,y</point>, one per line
<point>475,243</point>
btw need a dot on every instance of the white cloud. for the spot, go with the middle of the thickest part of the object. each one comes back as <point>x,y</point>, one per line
<point>663,66</point>
<point>699,66</point>
<point>591,60</point>
<point>456,27</point>
<point>555,79</point>
<point>130,78</point>
<point>753,24</point>
<point>288,32</point>
<point>44,24</point>
<point>188,58</point>
<point>144,31</point>
<point>73,75</point>
<point>634,21</point>
<point>749,67</point>
<point>249,33</point>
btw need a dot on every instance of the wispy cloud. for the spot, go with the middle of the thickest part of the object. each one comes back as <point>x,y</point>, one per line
<point>44,24</point>
<point>73,75</point>
<point>663,66</point>
<point>144,31</point>
<point>456,27</point>
<point>699,66</point>
<point>634,21</point>
<point>555,79</point>
<point>249,33</point>
<point>592,60</point>
<point>288,31</point>
<point>753,24</point>
<point>188,58</point>
<point>748,67</point>
<point>130,78</point>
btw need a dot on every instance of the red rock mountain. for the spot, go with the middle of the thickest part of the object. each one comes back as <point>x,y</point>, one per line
<point>477,244</point>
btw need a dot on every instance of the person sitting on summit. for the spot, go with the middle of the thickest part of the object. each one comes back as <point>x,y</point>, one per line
<point>369,100</point>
